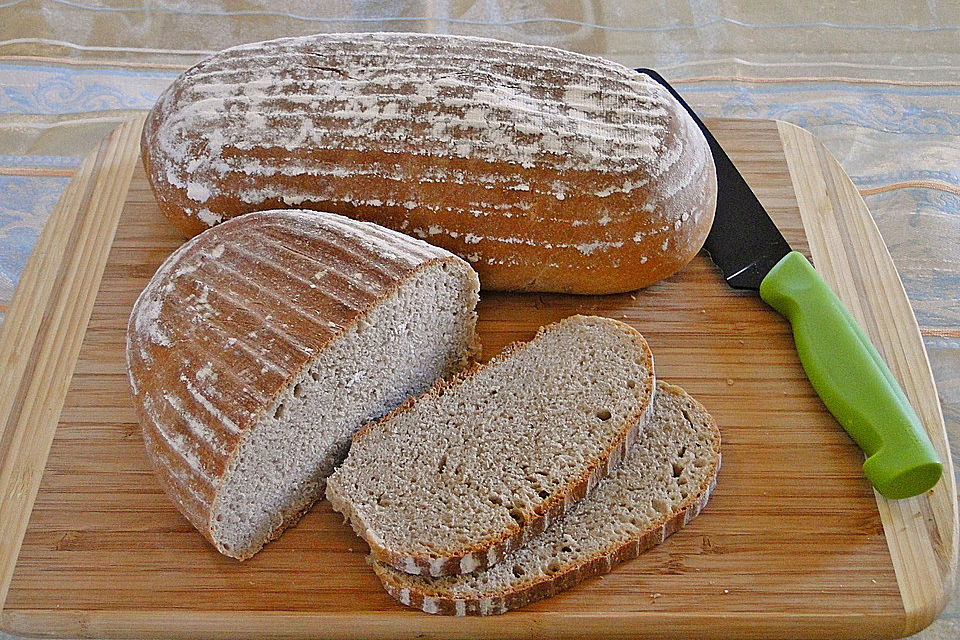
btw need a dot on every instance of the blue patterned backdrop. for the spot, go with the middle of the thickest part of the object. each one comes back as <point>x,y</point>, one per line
<point>25,203</point>
<point>53,90</point>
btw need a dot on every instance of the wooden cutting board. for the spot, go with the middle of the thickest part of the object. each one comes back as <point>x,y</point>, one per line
<point>794,542</point>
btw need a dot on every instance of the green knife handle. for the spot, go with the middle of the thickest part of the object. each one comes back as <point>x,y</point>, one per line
<point>852,380</point>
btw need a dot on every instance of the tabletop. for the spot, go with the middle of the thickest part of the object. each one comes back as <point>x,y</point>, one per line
<point>877,83</point>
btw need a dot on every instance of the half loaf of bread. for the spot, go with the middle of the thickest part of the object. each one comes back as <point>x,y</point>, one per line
<point>664,481</point>
<point>260,346</point>
<point>548,170</point>
<point>475,467</point>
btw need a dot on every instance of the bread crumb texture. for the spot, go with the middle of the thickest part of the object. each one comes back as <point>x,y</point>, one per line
<point>664,481</point>
<point>446,483</point>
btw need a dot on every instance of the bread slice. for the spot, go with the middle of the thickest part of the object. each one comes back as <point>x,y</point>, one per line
<point>261,345</point>
<point>469,471</point>
<point>664,481</point>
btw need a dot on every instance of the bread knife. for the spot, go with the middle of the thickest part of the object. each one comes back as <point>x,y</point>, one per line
<point>843,366</point>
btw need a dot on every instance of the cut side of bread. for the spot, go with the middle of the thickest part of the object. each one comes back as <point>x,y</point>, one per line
<point>451,482</point>
<point>261,345</point>
<point>664,481</point>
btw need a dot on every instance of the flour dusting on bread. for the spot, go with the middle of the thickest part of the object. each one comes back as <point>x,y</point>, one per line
<point>524,148</point>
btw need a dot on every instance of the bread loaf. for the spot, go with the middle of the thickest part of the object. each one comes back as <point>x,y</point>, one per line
<point>547,170</point>
<point>476,466</point>
<point>664,481</point>
<point>261,345</point>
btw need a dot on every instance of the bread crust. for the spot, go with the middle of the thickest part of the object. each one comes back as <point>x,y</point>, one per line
<point>546,169</point>
<point>483,555</point>
<point>220,333</point>
<point>567,577</point>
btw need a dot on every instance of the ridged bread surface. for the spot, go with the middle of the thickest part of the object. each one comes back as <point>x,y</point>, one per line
<point>547,170</point>
<point>229,320</point>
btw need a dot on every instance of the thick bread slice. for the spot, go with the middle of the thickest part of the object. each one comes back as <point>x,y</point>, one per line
<point>260,346</point>
<point>475,467</point>
<point>664,481</point>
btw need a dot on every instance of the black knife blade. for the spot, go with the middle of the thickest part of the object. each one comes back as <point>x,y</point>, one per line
<point>743,241</point>
<point>841,363</point>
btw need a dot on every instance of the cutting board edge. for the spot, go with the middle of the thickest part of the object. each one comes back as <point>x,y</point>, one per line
<point>48,320</point>
<point>216,625</point>
<point>837,261</point>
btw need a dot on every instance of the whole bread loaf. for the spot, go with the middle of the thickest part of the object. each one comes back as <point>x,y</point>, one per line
<point>664,481</point>
<point>260,346</point>
<point>547,170</point>
<point>473,468</point>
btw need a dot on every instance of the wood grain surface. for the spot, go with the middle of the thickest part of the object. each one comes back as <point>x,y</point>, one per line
<point>41,335</point>
<point>794,542</point>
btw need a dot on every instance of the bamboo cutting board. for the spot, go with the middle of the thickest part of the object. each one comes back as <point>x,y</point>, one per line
<point>794,543</point>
